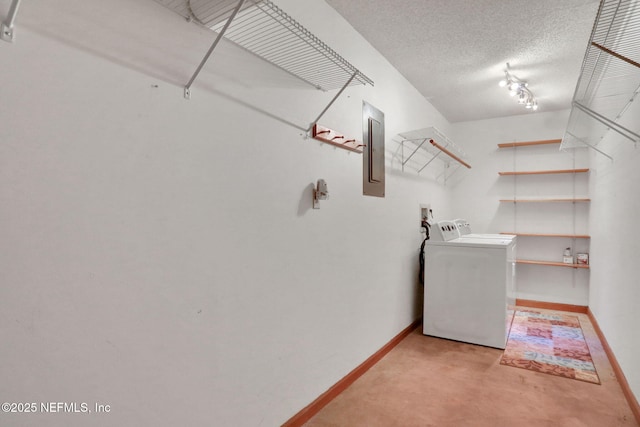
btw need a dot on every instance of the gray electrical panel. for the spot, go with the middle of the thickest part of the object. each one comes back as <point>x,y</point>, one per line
<point>373,156</point>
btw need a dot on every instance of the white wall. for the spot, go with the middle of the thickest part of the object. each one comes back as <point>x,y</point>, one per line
<point>615,294</point>
<point>477,197</point>
<point>161,255</point>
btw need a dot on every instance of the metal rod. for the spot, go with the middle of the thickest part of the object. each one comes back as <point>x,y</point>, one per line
<point>608,122</point>
<point>414,151</point>
<point>617,55</point>
<point>213,46</point>
<point>7,24</point>
<point>590,146</point>
<point>333,100</point>
<point>432,159</point>
<point>13,11</point>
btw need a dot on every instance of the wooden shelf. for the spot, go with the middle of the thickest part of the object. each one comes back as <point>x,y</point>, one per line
<point>545,172</point>
<point>544,200</point>
<point>571,236</point>
<point>529,143</point>
<point>551,263</point>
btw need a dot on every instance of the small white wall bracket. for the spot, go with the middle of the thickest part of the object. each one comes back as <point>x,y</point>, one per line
<point>320,192</point>
<point>7,32</point>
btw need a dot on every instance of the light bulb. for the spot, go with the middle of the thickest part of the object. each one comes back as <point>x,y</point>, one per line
<point>535,106</point>
<point>514,86</point>
<point>512,92</point>
<point>522,98</point>
<point>502,83</point>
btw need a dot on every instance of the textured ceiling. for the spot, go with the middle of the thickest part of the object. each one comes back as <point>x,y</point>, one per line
<point>454,51</point>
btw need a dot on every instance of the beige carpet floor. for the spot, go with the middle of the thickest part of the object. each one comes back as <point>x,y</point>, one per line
<point>426,381</point>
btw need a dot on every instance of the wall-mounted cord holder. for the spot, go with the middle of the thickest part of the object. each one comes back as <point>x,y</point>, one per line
<point>320,192</point>
<point>337,139</point>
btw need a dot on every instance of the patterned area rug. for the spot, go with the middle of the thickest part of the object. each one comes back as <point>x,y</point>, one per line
<point>549,343</point>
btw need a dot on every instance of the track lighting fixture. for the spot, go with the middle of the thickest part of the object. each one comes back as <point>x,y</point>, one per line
<point>518,88</point>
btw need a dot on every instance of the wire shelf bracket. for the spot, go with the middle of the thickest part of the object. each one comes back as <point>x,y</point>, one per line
<point>426,145</point>
<point>7,32</point>
<point>263,29</point>
<point>609,80</point>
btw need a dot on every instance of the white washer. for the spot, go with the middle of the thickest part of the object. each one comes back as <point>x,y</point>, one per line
<point>469,288</point>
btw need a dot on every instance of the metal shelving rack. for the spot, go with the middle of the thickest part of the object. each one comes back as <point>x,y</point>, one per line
<point>265,30</point>
<point>419,148</point>
<point>610,77</point>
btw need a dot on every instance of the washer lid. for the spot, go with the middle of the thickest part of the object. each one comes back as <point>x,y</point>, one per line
<point>473,242</point>
<point>483,242</point>
<point>491,236</point>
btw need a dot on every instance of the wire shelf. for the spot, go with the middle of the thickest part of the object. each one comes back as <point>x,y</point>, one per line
<point>610,77</point>
<point>265,30</point>
<point>419,148</point>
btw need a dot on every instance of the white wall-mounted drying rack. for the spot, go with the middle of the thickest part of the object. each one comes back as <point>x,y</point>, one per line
<point>610,78</point>
<point>262,28</point>
<point>419,148</point>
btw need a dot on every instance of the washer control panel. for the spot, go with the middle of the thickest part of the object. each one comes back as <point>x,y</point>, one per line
<point>444,231</point>
<point>463,226</point>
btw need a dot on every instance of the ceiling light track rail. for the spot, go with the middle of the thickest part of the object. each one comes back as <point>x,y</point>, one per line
<point>519,88</point>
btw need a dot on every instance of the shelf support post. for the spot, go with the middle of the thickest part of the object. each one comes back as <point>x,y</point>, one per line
<point>353,76</point>
<point>187,88</point>
<point>7,33</point>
